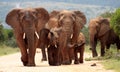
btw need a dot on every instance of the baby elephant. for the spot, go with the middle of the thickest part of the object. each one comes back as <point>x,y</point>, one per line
<point>79,48</point>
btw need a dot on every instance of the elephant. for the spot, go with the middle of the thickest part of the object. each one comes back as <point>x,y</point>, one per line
<point>76,48</point>
<point>99,29</point>
<point>79,48</point>
<point>69,23</point>
<point>52,48</point>
<point>26,24</point>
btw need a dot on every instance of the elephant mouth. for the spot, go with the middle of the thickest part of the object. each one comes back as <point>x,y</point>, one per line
<point>24,35</point>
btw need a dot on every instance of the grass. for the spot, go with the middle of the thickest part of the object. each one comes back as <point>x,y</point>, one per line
<point>5,50</point>
<point>110,61</point>
<point>112,64</point>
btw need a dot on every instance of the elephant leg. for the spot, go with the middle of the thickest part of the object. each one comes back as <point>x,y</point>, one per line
<point>102,48</point>
<point>71,54</point>
<point>23,49</point>
<point>58,57</point>
<point>76,56</point>
<point>94,52</point>
<point>81,54</point>
<point>55,51</point>
<point>44,58</point>
<point>118,45</point>
<point>50,55</point>
<point>107,47</point>
<point>65,54</point>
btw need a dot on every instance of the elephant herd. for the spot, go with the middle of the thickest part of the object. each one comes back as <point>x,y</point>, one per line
<point>59,32</point>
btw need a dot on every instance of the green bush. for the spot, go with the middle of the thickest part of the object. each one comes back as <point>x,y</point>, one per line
<point>115,21</point>
<point>86,34</point>
<point>6,37</point>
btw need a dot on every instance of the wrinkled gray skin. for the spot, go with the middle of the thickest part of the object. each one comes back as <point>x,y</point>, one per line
<point>26,24</point>
<point>69,23</point>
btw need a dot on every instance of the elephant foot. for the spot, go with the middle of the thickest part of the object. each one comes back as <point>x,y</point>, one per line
<point>95,55</point>
<point>43,59</point>
<point>81,61</point>
<point>76,62</point>
<point>31,65</point>
<point>57,64</point>
<point>25,62</point>
<point>66,62</point>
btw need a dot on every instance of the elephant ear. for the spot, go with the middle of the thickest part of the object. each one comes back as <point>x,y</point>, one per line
<point>12,19</point>
<point>43,17</point>
<point>54,14</point>
<point>104,27</point>
<point>53,21</point>
<point>79,24</point>
<point>80,18</point>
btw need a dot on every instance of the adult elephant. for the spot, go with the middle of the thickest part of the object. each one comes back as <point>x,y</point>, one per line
<point>26,24</point>
<point>99,29</point>
<point>70,23</point>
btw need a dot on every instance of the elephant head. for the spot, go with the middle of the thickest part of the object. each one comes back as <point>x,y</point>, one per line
<point>26,24</point>
<point>98,27</point>
<point>53,36</point>
<point>70,22</point>
<point>74,19</point>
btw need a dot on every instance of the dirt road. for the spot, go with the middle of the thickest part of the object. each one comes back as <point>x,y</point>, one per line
<point>12,63</point>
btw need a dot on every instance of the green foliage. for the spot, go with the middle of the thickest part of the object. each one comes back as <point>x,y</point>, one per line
<point>110,61</point>
<point>86,34</point>
<point>115,21</point>
<point>7,37</point>
<point>113,63</point>
<point>4,50</point>
<point>1,34</point>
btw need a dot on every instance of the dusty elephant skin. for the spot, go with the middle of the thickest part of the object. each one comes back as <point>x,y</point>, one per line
<point>26,24</point>
<point>44,42</point>
<point>52,55</point>
<point>99,29</point>
<point>66,23</point>
<point>79,48</point>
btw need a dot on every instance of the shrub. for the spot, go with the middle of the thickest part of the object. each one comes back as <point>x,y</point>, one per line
<point>115,22</point>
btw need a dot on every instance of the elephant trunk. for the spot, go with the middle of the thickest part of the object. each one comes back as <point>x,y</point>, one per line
<point>93,43</point>
<point>30,35</point>
<point>35,34</point>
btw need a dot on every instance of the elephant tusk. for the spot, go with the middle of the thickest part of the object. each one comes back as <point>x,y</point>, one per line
<point>48,46</point>
<point>37,34</point>
<point>56,46</point>
<point>71,36</point>
<point>24,36</point>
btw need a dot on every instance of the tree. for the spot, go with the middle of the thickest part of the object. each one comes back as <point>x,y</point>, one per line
<point>115,21</point>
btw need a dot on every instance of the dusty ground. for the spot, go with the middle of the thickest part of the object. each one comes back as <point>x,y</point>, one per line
<point>12,63</point>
